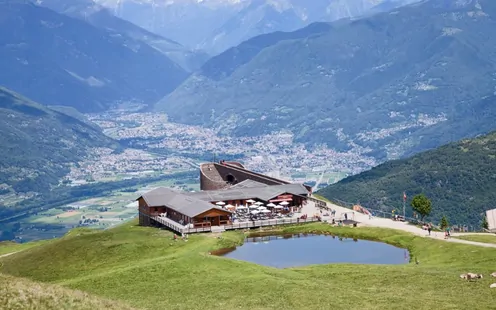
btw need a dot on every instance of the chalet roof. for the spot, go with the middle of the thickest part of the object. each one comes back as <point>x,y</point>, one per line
<point>248,184</point>
<point>180,202</point>
<point>264,193</point>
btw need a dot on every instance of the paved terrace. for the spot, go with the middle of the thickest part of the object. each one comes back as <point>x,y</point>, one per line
<point>364,220</point>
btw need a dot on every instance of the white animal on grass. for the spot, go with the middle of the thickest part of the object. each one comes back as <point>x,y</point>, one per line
<point>471,276</point>
<point>492,285</point>
<point>493,274</point>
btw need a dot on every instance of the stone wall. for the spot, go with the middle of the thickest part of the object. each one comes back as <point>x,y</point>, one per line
<point>215,176</point>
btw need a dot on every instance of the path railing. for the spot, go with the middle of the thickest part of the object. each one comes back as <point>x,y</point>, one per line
<point>274,222</point>
<point>197,230</point>
<point>169,223</point>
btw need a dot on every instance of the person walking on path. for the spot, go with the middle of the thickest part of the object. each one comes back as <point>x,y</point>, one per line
<point>429,229</point>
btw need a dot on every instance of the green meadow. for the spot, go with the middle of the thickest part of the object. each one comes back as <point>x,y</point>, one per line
<point>479,238</point>
<point>145,268</point>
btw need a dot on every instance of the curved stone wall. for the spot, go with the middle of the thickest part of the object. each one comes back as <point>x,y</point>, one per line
<point>215,176</point>
<point>210,178</point>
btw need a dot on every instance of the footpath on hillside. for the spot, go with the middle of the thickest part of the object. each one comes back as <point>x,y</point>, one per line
<point>373,221</point>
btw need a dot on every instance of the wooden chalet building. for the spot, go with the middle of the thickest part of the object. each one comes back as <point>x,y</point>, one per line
<point>180,208</point>
<point>199,209</point>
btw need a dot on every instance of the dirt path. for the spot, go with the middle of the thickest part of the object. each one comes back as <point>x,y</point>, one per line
<point>388,223</point>
<point>9,254</point>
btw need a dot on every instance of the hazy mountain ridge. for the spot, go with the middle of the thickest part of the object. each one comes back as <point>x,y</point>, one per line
<point>369,81</point>
<point>218,25</point>
<point>58,60</point>
<point>100,17</point>
<point>460,179</point>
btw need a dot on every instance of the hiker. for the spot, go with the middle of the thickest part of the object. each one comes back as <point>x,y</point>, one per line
<point>345,217</point>
<point>429,229</point>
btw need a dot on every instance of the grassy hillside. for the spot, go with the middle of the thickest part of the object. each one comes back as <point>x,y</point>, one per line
<point>459,178</point>
<point>18,294</point>
<point>145,268</point>
<point>395,83</point>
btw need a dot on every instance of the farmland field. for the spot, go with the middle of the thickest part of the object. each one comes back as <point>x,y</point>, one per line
<point>99,212</point>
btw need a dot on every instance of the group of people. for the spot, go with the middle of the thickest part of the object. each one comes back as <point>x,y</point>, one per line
<point>447,232</point>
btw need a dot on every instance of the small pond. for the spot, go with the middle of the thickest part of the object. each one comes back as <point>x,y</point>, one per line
<point>306,249</point>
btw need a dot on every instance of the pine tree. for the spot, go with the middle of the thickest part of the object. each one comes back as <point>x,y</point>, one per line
<point>485,224</point>
<point>444,222</point>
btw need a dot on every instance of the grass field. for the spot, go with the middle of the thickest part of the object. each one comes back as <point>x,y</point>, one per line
<point>18,294</point>
<point>479,238</point>
<point>10,247</point>
<point>145,268</point>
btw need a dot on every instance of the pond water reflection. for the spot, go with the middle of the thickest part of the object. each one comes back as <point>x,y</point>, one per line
<point>305,249</point>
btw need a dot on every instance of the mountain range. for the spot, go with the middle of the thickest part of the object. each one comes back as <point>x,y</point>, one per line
<point>39,145</point>
<point>394,83</point>
<point>216,25</point>
<point>56,59</point>
<point>459,178</point>
<point>102,18</point>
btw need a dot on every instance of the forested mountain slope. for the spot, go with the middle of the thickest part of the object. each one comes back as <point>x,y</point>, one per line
<point>459,178</point>
<point>39,145</point>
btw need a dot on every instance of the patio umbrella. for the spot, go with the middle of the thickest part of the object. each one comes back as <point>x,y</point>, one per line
<point>271,205</point>
<point>250,201</point>
<point>255,212</point>
<point>253,207</point>
<point>278,207</point>
<point>220,203</point>
<point>259,203</point>
<point>241,208</point>
<point>262,208</point>
<point>265,211</point>
<point>229,206</point>
<point>284,203</point>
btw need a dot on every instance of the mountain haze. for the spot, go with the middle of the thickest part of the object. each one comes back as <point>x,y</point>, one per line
<point>58,60</point>
<point>394,83</point>
<point>459,178</point>
<point>216,25</point>
<point>101,17</point>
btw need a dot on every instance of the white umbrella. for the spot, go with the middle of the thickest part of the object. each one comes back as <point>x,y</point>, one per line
<point>229,206</point>
<point>262,208</point>
<point>284,203</point>
<point>271,205</point>
<point>253,207</point>
<point>278,207</point>
<point>255,212</point>
<point>265,211</point>
<point>259,203</point>
<point>220,203</point>
<point>241,208</point>
<point>250,201</point>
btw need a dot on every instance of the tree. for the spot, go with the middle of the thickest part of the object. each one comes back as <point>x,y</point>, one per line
<point>422,205</point>
<point>444,223</point>
<point>485,224</point>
